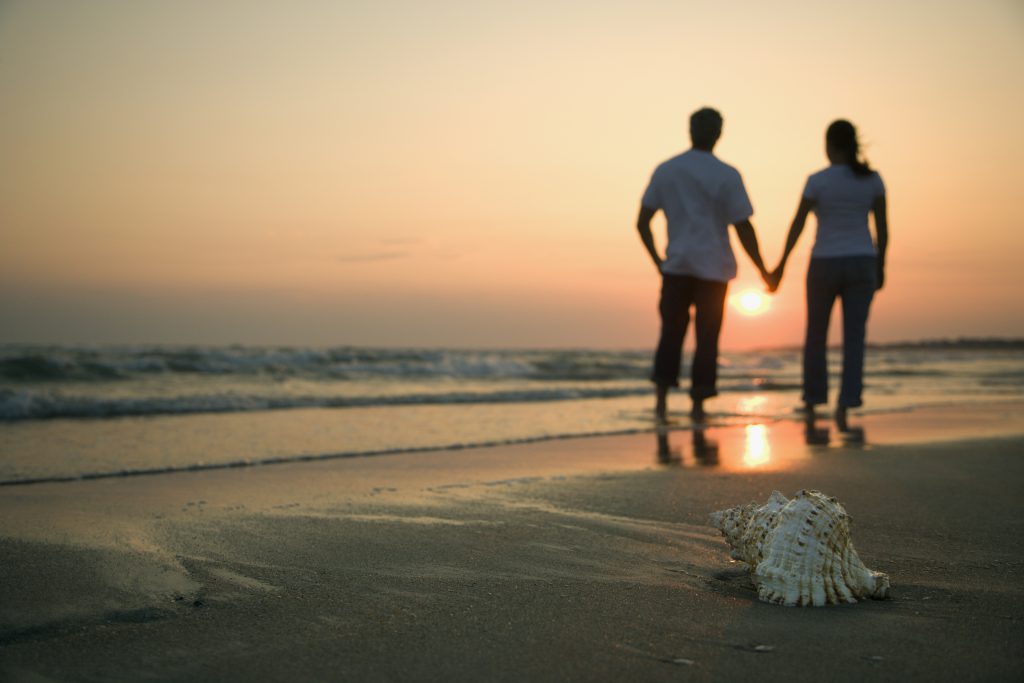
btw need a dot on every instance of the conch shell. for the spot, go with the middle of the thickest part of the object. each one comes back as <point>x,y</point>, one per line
<point>799,550</point>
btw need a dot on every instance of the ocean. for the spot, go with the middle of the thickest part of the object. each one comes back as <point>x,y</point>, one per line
<point>69,412</point>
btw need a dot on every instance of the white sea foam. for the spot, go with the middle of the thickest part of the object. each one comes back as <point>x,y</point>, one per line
<point>233,406</point>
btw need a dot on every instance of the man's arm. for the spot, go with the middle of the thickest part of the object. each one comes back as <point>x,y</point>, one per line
<point>748,238</point>
<point>795,230</point>
<point>881,235</point>
<point>643,226</point>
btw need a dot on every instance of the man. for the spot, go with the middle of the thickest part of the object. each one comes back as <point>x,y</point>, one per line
<point>701,196</point>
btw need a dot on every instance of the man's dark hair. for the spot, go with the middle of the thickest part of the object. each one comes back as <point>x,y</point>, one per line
<point>705,127</point>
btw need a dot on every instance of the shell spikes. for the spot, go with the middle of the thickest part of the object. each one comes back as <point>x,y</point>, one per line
<point>799,550</point>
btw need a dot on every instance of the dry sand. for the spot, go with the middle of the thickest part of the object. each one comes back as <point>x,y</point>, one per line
<point>584,559</point>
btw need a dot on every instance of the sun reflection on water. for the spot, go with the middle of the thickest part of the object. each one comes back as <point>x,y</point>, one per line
<point>757,450</point>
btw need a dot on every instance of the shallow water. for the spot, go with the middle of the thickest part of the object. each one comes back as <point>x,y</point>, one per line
<point>74,412</point>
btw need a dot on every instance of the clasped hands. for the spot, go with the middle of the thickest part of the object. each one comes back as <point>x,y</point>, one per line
<point>773,278</point>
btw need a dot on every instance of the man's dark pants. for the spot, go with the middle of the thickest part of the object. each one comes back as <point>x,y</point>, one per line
<point>678,293</point>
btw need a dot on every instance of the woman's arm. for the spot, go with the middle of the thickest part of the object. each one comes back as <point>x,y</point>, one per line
<point>795,229</point>
<point>881,235</point>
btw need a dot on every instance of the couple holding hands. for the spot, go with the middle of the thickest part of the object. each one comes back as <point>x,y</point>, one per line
<point>701,197</point>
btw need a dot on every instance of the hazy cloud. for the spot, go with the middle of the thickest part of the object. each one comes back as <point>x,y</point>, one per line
<point>370,256</point>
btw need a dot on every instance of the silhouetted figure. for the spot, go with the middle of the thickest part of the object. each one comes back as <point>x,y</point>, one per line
<point>845,263</point>
<point>701,196</point>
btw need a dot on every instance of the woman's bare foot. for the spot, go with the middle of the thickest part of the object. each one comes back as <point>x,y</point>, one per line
<point>841,423</point>
<point>697,413</point>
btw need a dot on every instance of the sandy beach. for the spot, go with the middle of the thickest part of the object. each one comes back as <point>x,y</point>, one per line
<point>407,341</point>
<point>576,559</point>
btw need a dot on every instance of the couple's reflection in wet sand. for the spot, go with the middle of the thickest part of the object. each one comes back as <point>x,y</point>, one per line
<point>820,433</point>
<point>751,446</point>
<point>705,450</point>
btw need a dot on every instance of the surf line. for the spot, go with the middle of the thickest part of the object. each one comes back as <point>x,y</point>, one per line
<point>284,460</point>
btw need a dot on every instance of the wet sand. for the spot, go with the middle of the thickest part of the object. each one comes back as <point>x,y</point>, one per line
<point>582,559</point>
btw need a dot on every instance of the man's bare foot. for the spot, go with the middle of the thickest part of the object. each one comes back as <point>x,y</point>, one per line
<point>807,410</point>
<point>661,404</point>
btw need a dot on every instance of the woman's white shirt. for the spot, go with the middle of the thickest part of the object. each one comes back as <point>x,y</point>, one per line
<point>842,202</point>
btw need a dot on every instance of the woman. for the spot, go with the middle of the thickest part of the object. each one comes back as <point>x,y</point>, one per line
<point>845,263</point>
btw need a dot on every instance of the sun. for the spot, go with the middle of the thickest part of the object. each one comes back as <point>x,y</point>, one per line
<point>750,302</point>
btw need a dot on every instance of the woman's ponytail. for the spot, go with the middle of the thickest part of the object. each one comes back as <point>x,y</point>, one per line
<point>841,135</point>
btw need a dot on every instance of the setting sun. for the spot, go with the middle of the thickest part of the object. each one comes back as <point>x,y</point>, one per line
<point>750,302</point>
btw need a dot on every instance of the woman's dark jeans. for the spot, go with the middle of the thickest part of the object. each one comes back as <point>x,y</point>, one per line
<point>678,293</point>
<point>853,279</point>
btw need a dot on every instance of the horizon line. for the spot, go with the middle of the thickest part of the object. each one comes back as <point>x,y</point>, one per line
<point>975,342</point>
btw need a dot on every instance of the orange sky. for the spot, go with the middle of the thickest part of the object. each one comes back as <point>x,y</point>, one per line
<point>467,173</point>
